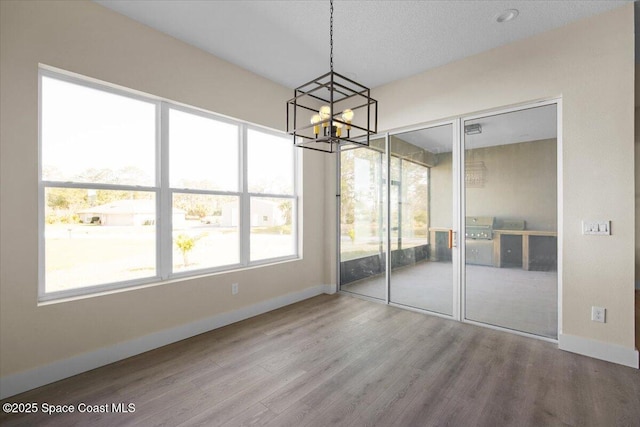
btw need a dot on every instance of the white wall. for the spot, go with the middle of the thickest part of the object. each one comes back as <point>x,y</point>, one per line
<point>85,38</point>
<point>590,65</point>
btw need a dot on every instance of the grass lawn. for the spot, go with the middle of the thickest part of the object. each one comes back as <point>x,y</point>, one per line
<point>82,255</point>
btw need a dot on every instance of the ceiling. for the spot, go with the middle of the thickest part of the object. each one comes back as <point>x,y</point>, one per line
<point>375,42</point>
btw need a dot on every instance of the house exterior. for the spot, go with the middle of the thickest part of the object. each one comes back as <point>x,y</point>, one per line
<point>264,213</point>
<point>126,213</point>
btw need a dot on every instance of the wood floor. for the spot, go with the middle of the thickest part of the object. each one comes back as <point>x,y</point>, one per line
<point>339,360</point>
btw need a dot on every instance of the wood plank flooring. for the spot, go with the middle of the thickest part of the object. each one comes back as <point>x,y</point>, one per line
<point>338,360</point>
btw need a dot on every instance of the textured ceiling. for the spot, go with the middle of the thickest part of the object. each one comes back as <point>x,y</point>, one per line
<point>375,41</point>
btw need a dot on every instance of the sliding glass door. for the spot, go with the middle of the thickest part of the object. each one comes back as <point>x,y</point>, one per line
<point>458,219</point>
<point>510,199</point>
<point>362,233</point>
<point>422,218</point>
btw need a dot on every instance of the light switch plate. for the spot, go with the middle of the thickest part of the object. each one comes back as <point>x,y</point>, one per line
<point>602,228</point>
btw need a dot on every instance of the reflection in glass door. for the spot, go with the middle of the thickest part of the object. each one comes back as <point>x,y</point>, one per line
<point>504,269</point>
<point>421,218</point>
<point>510,197</point>
<point>362,220</point>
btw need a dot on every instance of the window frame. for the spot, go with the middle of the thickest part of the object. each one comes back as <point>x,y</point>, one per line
<point>247,196</point>
<point>163,192</point>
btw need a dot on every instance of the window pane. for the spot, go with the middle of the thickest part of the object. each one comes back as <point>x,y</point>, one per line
<point>270,163</point>
<point>205,231</point>
<point>203,152</point>
<point>95,237</point>
<point>415,204</point>
<point>363,243</point>
<point>94,136</point>
<point>511,245</point>
<point>272,233</point>
<point>394,196</point>
<point>361,203</point>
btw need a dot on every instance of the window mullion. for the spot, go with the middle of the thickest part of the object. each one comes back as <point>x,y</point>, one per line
<point>245,199</point>
<point>297,186</point>
<point>98,186</point>
<point>164,213</point>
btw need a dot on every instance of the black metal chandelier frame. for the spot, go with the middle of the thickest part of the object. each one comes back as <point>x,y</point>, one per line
<point>337,94</point>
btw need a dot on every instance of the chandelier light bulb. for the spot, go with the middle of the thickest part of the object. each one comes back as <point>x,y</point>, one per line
<point>347,115</point>
<point>325,112</point>
<point>315,119</point>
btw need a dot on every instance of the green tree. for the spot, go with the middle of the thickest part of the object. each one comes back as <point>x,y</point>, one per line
<point>347,181</point>
<point>286,208</point>
<point>186,243</point>
<point>63,203</point>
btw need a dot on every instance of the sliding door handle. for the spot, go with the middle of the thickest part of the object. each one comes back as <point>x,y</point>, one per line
<point>452,239</point>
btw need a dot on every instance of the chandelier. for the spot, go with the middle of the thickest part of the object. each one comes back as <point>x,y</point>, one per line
<point>331,110</point>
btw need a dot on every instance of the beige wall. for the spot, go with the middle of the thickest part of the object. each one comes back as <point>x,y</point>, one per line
<point>637,175</point>
<point>520,184</point>
<point>441,203</point>
<point>590,64</point>
<point>86,38</point>
<point>637,182</point>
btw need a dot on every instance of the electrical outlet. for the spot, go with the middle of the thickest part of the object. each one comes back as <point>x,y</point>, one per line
<point>598,314</point>
<point>234,288</point>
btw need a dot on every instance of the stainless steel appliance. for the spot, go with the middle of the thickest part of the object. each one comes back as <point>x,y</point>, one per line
<point>479,240</point>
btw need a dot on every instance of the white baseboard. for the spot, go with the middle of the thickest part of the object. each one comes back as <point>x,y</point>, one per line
<point>330,289</point>
<point>27,380</point>
<point>600,350</point>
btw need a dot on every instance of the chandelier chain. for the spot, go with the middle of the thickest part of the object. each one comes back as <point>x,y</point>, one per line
<point>331,34</point>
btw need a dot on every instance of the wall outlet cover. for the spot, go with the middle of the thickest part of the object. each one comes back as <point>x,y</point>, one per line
<point>598,314</point>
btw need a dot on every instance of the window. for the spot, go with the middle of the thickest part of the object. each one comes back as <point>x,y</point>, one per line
<point>271,188</point>
<point>204,180</point>
<point>136,190</point>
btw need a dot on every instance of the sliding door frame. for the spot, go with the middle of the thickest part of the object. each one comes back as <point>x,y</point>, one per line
<point>559,211</point>
<point>385,215</point>
<point>455,220</point>
<point>459,209</point>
